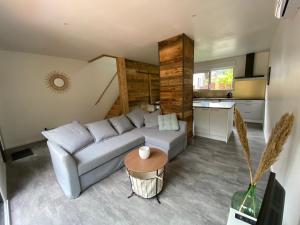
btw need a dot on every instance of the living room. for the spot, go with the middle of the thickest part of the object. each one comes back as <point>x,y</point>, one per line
<point>117,112</point>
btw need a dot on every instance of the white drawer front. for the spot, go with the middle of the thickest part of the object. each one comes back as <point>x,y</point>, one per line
<point>251,109</point>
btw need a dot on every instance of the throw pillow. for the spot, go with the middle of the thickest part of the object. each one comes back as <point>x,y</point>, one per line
<point>168,122</point>
<point>136,116</point>
<point>71,137</point>
<point>101,130</point>
<point>151,119</point>
<point>121,124</point>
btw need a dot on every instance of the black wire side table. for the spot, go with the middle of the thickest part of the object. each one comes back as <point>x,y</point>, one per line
<point>146,175</point>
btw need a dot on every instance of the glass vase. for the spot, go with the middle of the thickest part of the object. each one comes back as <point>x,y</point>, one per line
<point>247,202</point>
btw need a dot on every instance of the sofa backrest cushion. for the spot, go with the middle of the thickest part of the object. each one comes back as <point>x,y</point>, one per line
<point>136,116</point>
<point>121,124</point>
<point>72,137</point>
<point>168,122</point>
<point>151,119</point>
<point>101,130</point>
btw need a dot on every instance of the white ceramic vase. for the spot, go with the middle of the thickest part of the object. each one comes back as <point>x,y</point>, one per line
<point>144,152</point>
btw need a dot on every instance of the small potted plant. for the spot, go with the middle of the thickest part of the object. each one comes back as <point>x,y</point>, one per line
<point>247,202</point>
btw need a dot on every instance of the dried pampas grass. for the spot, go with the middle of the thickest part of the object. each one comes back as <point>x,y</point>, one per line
<point>278,137</point>
<point>274,147</point>
<point>242,132</point>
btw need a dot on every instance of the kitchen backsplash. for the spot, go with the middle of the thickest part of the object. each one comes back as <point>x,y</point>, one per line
<point>246,89</point>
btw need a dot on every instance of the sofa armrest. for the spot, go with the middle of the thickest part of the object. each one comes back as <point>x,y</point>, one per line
<point>183,129</point>
<point>65,169</point>
<point>182,126</point>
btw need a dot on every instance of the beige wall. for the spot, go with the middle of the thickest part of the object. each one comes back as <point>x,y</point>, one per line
<point>283,96</point>
<point>28,106</point>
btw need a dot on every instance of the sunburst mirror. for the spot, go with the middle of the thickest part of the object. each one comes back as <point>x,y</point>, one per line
<point>58,81</point>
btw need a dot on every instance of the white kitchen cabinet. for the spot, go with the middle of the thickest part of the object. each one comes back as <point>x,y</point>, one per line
<point>261,63</point>
<point>201,115</point>
<point>212,122</point>
<point>219,121</point>
<point>251,110</point>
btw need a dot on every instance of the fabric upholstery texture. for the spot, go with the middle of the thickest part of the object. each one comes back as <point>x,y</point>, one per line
<point>71,137</point>
<point>65,169</point>
<point>101,172</point>
<point>136,116</point>
<point>151,119</point>
<point>121,124</point>
<point>163,139</point>
<point>101,130</point>
<point>168,122</point>
<point>97,154</point>
<point>76,172</point>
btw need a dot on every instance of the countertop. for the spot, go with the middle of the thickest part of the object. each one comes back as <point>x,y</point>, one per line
<point>218,105</point>
<point>207,99</point>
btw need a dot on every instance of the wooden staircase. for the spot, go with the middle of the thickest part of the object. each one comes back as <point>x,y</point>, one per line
<point>115,109</point>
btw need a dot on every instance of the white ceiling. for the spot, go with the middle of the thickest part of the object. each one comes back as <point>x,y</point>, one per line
<point>85,29</point>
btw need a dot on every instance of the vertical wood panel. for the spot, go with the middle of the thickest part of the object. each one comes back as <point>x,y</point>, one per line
<point>121,69</point>
<point>176,56</point>
<point>142,83</point>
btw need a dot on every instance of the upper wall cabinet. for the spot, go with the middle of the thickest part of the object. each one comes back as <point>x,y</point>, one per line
<point>261,63</point>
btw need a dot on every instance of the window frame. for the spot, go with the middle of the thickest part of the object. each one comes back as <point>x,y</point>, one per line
<point>209,78</point>
<point>203,71</point>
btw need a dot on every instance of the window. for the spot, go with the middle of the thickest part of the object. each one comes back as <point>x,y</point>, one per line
<point>201,81</point>
<point>215,79</point>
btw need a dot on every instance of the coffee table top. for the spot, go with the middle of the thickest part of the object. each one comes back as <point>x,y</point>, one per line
<point>156,161</point>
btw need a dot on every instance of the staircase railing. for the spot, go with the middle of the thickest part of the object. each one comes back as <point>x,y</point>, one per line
<point>106,88</point>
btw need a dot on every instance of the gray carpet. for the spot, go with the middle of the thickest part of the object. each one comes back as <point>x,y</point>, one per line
<point>199,185</point>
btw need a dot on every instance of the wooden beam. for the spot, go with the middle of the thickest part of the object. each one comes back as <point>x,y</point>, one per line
<point>100,56</point>
<point>121,69</point>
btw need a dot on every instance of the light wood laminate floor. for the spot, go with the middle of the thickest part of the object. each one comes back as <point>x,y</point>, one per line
<point>199,186</point>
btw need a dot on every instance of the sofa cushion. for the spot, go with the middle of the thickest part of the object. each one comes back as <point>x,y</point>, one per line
<point>151,119</point>
<point>168,122</point>
<point>121,124</point>
<point>165,140</point>
<point>71,137</point>
<point>136,116</point>
<point>101,130</point>
<point>99,153</point>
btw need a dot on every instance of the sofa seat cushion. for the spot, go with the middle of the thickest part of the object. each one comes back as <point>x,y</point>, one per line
<point>165,140</point>
<point>99,153</point>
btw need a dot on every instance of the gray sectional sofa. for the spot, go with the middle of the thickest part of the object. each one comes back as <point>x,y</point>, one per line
<point>78,170</point>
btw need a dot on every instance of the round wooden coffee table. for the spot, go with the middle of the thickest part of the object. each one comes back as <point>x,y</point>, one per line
<point>146,175</point>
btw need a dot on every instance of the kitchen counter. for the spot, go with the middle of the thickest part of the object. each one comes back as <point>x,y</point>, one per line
<point>208,99</point>
<point>218,105</point>
<point>213,119</point>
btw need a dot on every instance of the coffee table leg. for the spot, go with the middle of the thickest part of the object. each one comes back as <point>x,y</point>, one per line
<point>156,182</point>
<point>157,199</point>
<point>132,193</point>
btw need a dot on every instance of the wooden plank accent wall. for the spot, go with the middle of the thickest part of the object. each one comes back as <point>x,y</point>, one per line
<point>142,83</point>
<point>176,57</point>
<point>123,90</point>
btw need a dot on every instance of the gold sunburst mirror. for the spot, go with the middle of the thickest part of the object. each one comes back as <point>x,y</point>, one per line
<point>58,81</point>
